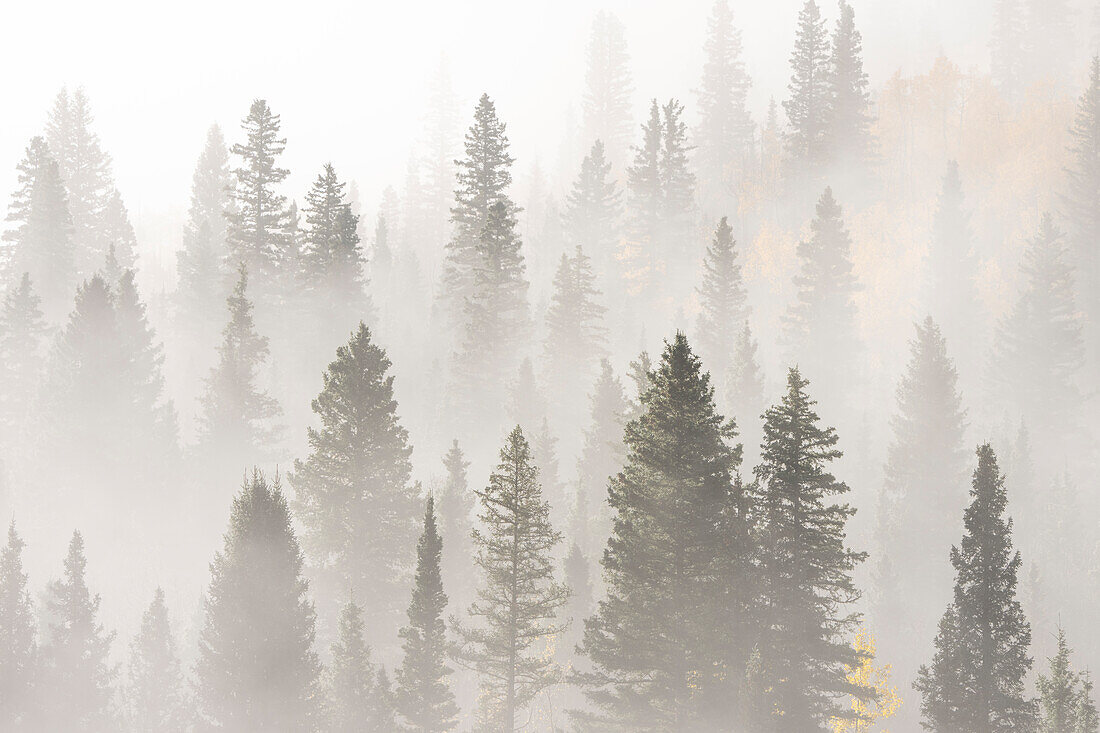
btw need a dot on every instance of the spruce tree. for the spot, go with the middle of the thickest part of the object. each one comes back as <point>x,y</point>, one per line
<point>810,105</point>
<point>443,136</point>
<point>18,645</point>
<point>722,300</point>
<point>593,211</point>
<point>353,494</point>
<point>644,212</point>
<point>258,218</point>
<point>333,258</point>
<point>77,675</point>
<point>744,388</point>
<point>669,637</point>
<point>609,88</point>
<point>982,658</point>
<point>1059,692</point>
<point>351,676</point>
<point>517,597</point>
<point>526,404</point>
<point>256,668</point>
<point>725,132</point>
<point>155,691</point>
<point>849,134</point>
<point>237,416</point>
<point>952,298</point>
<point>22,332</point>
<point>805,566</point>
<point>677,192</point>
<point>1083,191</point>
<point>456,507</point>
<point>424,698</point>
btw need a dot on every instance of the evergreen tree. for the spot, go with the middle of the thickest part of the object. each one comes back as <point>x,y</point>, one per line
<point>805,566</point>
<point>576,338</point>
<point>1059,692</point>
<point>41,228</point>
<point>483,179</point>
<point>809,108</point>
<point>722,300</point>
<point>384,703</point>
<point>456,507</point>
<point>518,598</point>
<point>22,331</point>
<point>237,415</point>
<point>609,88</point>
<point>1083,191</point>
<point>354,496</point>
<point>333,258</point>
<point>18,647</point>
<point>981,661</point>
<point>849,134</point>
<point>155,692</point>
<point>744,390</point>
<point>256,668</point>
<point>677,191</point>
<point>526,405</point>
<point>424,698</point>
<point>951,296</point>
<point>443,136</point>
<point>351,706</point>
<point>593,209</point>
<point>77,677</point>
<point>644,205</point>
<point>1088,720</point>
<point>674,565</point>
<point>1007,52</point>
<point>258,219</point>
<point>725,133</point>
<point>1039,345</point>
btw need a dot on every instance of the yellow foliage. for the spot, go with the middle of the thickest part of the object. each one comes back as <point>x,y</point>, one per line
<point>886,700</point>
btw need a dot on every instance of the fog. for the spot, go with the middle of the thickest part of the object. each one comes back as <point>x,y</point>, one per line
<point>543,366</point>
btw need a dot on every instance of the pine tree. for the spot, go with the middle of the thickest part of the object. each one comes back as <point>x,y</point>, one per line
<point>820,326</point>
<point>258,219</point>
<point>981,660</point>
<point>483,179</point>
<point>424,698</point>
<point>456,507</point>
<point>674,563</point>
<point>333,258</point>
<point>722,300</point>
<point>118,232</point>
<point>518,598</point>
<point>644,205</point>
<point>849,134</point>
<point>256,668</point>
<point>18,646</point>
<point>1059,692</point>
<point>77,676</point>
<point>237,415</point>
<point>22,332</point>
<point>384,703</point>
<point>609,88</point>
<point>744,389</point>
<point>809,108</point>
<point>576,338</point>
<point>351,676</point>
<point>155,691</point>
<point>677,191</point>
<point>1039,345</point>
<point>725,132</point>
<point>1088,720</point>
<point>41,228</point>
<point>951,268</point>
<point>805,566</point>
<point>354,496</point>
<point>1083,191</point>
<point>443,137</point>
<point>593,210</point>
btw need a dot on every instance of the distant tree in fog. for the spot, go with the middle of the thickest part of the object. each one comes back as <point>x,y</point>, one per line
<point>77,676</point>
<point>455,503</point>
<point>677,178</point>
<point>351,677</point>
<point>1082,195</point>
<point>809,107</point>
<point>593,213</point>
<point>850,104</point>
<point>1007,47</point>
<point>424,697</point>
<point>154,695</point>
<point>354,495</point>
<point>576,337</point>
<point>952,296</point>
<point>609,88</point>
<point>1065,695</point>
<point>18,645</point>
<point>332,257</point>
<point>723,301</point>
<point>22,333</point>
<point>976,681</point>
<point>644,212</point>
<point>517,598</point>
<point>256,668</point>
<point>744,387</point>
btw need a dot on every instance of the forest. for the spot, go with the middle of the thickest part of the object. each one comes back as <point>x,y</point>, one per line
<point>761,407</point>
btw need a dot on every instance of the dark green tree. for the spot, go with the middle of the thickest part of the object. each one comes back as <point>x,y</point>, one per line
<point>805,566</point>
<point>517,598</point>
<point>672,624</point>
<point>941,685</point>
<point>424,697</point>
<point>18,645</point>
<point>155,692</point>
<point>809,107</point>
<point>722,300</point>
<point>256,668</point>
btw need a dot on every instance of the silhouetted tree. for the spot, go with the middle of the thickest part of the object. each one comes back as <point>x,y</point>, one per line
<point>809,108</point>
<point>155,691</point>
<point>722,300</point>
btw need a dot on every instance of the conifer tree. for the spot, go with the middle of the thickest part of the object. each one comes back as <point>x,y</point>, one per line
<point>424,698</point>
<point>443,136</point>
<point>1059,692</point>
<point>517,598</point>
<point>22,332</point>
<point>354,496</point>
<point>951,295</point>
<point>678,518</point>
<point>333,258</point>
<point>609,88</point>
<point>576,338</point>
<point>644,204</point>
<point>77,675</point>
<point>351,676</point>
<point>1039,349</point>
<point>1007,52</point>
<point>256,668</point>
<point>1082,193</point>
<point>805,566</point>
<point>384,703</point>
<point>725,132</point>
<point>722,300</point>
<point>849,134</point>
<point>41,229</point>
<point>456,507</point>
<point>237,415</point>
<point>18,645</point>
<point>155,690</point>
<point>981,659</point>
<point>593,210</point>
<point>810,105</point>
<point>677,191</point>
<point>258,220</point>
<point>483,179</point>
<point>744,389</point>
<point>526,404</point>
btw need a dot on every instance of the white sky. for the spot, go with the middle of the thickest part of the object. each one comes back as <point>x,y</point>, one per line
<point>350,78</point>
